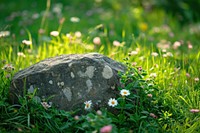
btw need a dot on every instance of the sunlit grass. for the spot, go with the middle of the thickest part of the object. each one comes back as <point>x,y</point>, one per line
<point>148,42</point>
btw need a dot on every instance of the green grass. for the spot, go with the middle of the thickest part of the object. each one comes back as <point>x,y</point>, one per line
<point>136,29</point>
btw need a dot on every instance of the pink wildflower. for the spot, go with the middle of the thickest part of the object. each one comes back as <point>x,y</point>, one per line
<point>97,40</point>
<point>194,110</point>
<point>62,20</point>
<point>99,112</point>
<point>106,129</point>
<point>116,43</point>
<point>187,74</point>
<point>139,68</point>
<point>134,63</point>
<point>150,95</point>
<point>41,31</point>
<point>76,117</point>
<point>189,45</point>
<point>176,44</point>
<point>153,115</point>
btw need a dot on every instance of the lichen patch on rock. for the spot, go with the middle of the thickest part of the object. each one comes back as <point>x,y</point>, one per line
<point>81,74</point>
<point>90,71</point>
<point>68,94</point>
<point>72,74</point>
<point>107,72</point>
<point>50,82</point>
<point>31,89</point>
<point>89,85</point>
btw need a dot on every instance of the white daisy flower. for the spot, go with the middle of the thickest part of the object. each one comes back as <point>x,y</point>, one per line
<point>8,67</point>
<point>4,33</point>
<point>153,75</point>
<point>125,92</point>
<point>164,55</point>
<point>21,54</point>
<point>169,54</point>
<point>27,42</point>
<point>68,35</point>
<point>74,19</point>
<point>54,33</point>
<point>133,52</point>
<point>196,79</point>
<point>154,54</point>
<point>112,102</point>
<point>88,104</point>
<point>78,34</point>
<point>46,105</point>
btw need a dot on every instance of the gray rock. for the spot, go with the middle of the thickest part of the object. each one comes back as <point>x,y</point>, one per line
<point>67,81</point>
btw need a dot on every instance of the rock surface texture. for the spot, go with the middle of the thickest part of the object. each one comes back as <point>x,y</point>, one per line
<point>67,81</point>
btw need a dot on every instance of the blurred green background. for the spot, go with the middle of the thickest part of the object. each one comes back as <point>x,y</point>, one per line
<point>19,16</point>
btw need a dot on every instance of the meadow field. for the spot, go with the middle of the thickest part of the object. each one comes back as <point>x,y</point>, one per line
<point>161,51</point>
